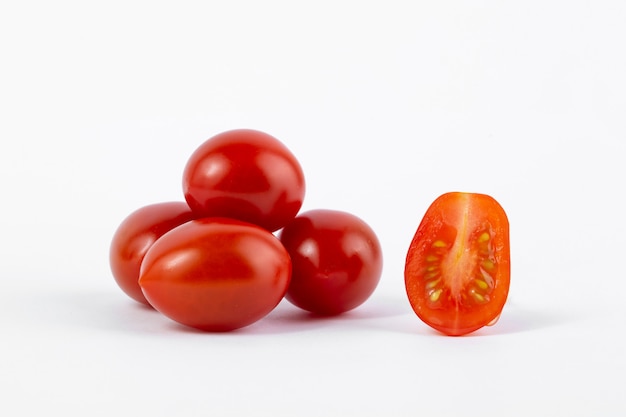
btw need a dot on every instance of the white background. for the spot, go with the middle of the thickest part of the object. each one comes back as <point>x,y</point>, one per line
<point>387,105</point>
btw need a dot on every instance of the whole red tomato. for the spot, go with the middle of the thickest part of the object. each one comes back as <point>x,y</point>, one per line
<point>135,235</point>
<point>337,261</point>
<point>458,264</point>
<point>246,175</point>
<point>216,274</point>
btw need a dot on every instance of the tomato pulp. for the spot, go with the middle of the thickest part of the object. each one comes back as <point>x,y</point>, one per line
<point>457,269</point>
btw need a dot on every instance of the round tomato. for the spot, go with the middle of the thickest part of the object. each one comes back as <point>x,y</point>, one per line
<point>458,264</point>
<point>246,175</point>
<point>135,235</point>
<point>337,261</point>
<point>216,274</point>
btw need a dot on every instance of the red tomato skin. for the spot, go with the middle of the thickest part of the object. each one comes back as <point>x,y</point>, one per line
<point>441,223</point>
<point>135,235</point>
<point>216,274</point>
<point>247,175</point>
<point>337,261</point>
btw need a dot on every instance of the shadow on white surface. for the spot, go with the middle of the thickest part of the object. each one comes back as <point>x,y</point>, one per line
<point>286,318</point>
<point>519,319</point>
<point>514,319</point>
<point>97,311</point>
<point>113,312</point>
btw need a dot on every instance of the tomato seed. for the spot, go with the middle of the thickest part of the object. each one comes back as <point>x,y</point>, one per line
<point>434,296</point>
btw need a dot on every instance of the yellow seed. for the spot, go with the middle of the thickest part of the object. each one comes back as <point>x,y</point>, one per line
<point>431,258</point>
<point>484,237</point>
<point>488,264</point>
<point>435,295</point>
<point>478,297</point>
<point>439,244</point>
<point>431,275</point>
<point>481,284</point>
<point>433,284</point>
<point>432,268</point>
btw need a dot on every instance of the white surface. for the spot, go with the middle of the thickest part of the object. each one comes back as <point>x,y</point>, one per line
<point>386,107</point>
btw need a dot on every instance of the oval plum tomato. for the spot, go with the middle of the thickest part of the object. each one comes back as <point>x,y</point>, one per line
<point>135,235</point>
<point>246,175</point>
<point>457,268</point>
<point>337,261</point>
<point>216,274</point>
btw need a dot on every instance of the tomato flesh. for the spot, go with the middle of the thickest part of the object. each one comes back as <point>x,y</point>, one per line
<point>457,270</point>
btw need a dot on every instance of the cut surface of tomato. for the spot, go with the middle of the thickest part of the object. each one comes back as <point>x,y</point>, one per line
<point>457,269</point>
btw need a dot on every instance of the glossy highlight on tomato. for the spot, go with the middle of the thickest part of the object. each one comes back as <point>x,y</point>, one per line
<point>247,175</point>
<point>457,270</point>
<point>337,261</point>
<point>135,235</point>
<point>216,274</point>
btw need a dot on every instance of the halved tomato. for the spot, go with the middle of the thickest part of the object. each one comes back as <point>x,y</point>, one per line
<point>457,270</point>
